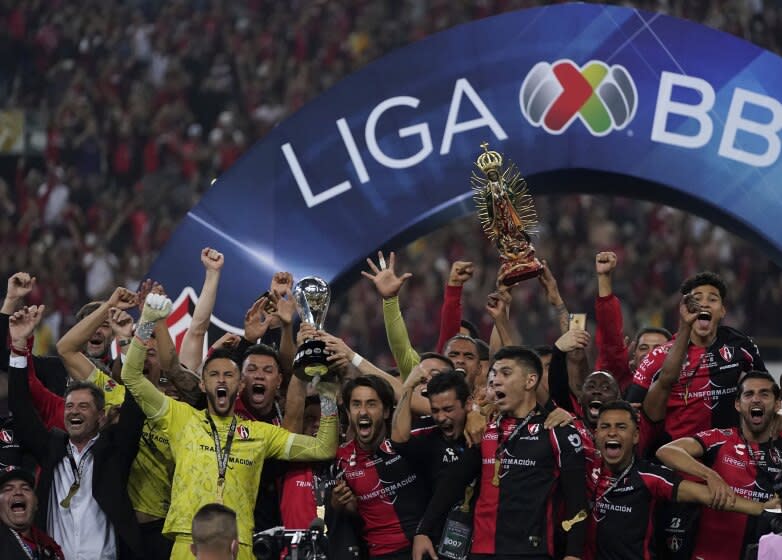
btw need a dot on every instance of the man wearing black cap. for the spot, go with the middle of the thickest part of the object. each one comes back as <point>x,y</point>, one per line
<point>19,539</point>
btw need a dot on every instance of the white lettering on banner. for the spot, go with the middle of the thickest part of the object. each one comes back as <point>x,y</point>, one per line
<point>767,131</point>
<point>421,130</point>
<point>736,126</point>
<point>452,127</point>
<point>666,106</point>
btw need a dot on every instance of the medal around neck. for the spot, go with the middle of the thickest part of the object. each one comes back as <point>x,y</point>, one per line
<point>507,213</point>
<point>312,296</point>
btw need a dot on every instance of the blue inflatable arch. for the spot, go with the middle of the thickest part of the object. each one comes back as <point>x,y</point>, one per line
<point>583,98</point>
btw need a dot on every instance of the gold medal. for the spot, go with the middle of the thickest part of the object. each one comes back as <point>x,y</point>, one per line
<point>495,481</point>
<point>66,503</point>
<point>220,489</point>
<point>320,512</point>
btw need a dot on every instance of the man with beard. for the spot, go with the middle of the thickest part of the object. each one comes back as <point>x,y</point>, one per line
<point>374,482</point>
<point>217,456</point>
<point>521,466</point>
<point>624,491</point>
<point>743,461</point>
<point>430,450</point>
<point>19,538</point>
<point>83,484</point>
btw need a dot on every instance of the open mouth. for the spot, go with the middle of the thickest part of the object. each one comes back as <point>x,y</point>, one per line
<point>594,408</point>
<point>259,389</point>
<point>18,506</point>
<point>364,427</point>
<point>76,421</point>
<point>704,319</point>
<point>756,414</point>
<point>499,395</point>
<point>613,449</point>
<point>222,395</point>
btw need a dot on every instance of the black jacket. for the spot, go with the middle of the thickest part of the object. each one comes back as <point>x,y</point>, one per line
<point>10,549</point>
<point>113,453</point>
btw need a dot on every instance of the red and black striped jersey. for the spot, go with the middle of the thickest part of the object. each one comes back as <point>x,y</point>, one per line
<point>390,495</point>
<point>703,396</point>
<point>621,521</point>
<point>749,469</point>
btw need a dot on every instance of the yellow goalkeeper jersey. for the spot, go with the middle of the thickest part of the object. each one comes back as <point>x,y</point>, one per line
<point>149,483</point>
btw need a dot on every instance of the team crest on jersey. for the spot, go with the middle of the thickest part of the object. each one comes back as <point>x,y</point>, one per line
<point>596,474</point>
<point>386,447</point>
<point>727,353</point>
<point>243,432</point>
<point>6,436</point>
<point>674,543</point>
<point>533,429</point>
<point>108,387</point>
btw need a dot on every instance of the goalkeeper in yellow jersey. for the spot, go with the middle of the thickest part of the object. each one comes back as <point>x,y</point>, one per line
<point>218,456</point>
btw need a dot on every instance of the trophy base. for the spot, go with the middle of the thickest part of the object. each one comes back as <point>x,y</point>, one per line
<point>514,272</point>
<point>310,361</point>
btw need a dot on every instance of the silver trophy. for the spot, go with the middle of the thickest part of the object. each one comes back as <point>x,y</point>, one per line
<point>312,296</point>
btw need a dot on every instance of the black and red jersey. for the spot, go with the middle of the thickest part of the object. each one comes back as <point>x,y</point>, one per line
<point>749,469</point>
<point>390,495</point>
<point>703,396</point>
<point>620,524</point>
<point>539,470</point>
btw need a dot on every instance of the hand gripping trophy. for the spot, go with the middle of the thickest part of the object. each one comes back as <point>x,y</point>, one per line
<point>312,296</point>
<point>507,214</point>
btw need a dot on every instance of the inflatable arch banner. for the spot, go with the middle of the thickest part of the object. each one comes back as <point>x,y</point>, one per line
<point>582,97</point>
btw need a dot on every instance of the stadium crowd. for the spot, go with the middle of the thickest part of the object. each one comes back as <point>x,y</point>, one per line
<point>520,433</point>
<point>146,102</point>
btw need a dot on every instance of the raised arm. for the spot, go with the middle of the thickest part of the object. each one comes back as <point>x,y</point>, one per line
<point>340,350</point>
<point>388,285</point>
<point>19,285</point>
<point>70,345</point>
<point>498,308</point>
<point>402,421</point>
<point>451,312</point>
<point>612,354</point>
<point>151,401</point>
<point>655,403</point>
<point>324,445</point>
<point>192,350</point>
<point>549,283</point>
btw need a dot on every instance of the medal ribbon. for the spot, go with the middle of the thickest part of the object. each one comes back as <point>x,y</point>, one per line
<point>502,445</point>
<point>222,456</point>
<point>77,473</point>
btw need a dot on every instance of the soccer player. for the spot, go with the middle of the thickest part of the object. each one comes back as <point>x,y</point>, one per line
<point>374,482</point>
<point>520,466</point>
<point>217,456</point>
<point>741,461</point>
<point>625,490</point>
<point>215,536</point>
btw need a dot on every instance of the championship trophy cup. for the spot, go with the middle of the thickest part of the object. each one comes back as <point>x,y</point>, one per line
<point>312,296</point>
<point>507,214</point>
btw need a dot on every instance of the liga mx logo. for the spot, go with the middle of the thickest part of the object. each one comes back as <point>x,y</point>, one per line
<point>603,97</point>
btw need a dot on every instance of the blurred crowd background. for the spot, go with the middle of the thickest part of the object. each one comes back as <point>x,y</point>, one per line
<point>131,108</point>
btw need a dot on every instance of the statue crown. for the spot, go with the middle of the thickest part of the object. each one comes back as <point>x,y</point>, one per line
<point>489,159</point>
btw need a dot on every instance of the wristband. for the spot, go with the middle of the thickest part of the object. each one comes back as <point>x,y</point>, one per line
<point>357,359</point>
<point>123,341</point>
<point>18,361</point>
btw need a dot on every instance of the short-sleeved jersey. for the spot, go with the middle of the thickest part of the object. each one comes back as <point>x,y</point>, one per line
<point>391,498</point>
<point>195,474</point>
<point>519,516</point>
<point>149,483</point>
<point>621,523</point>
<point>703,396</point>
<point>749,471</point>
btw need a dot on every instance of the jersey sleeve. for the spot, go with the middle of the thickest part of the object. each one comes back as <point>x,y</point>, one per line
<point>647,370</point>
<point>152,402</point>
<point>450,315</point>
<point>569,452</point>
<point>398,340</point>
<point>113,392</point>
<point>752,355</point>
<point>609,340</point>
<point>662,482</point>
<point>711,441</point>
<point>297,447</point>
